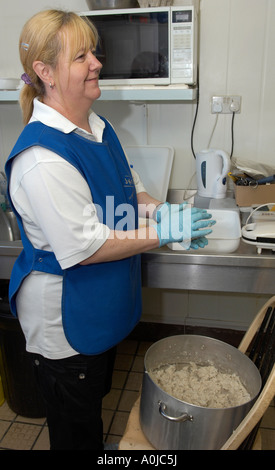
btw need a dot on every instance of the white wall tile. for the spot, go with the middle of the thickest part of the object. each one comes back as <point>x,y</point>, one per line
<point>214,309</point>
<point>224,310</point>
<point>165,305</point>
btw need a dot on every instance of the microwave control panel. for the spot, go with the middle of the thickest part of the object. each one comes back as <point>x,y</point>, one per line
<point>183,45</point>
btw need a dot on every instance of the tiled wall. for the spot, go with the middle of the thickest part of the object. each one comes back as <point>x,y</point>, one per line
<point>236,57</point>
<point>206,309</point>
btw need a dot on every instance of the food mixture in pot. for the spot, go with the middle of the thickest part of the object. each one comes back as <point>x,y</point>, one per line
<point>202,385</point>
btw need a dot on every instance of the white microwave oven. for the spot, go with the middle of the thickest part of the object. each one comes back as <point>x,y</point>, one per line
<point>147,46</point>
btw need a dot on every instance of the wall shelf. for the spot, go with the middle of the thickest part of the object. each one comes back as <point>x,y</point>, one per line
<point>148,93</point>
<point>130,93</point>
<point>9,95</point>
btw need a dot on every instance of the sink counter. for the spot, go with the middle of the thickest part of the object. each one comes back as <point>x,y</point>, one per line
<point>243,271</point>
<point>10,248</point>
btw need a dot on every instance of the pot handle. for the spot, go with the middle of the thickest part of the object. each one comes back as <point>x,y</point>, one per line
<point>183,417</point>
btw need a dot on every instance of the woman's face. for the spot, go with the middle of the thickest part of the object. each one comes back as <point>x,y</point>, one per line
<point>77,77</point>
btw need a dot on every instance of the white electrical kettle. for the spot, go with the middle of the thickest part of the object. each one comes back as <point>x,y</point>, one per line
<point>212,168</point>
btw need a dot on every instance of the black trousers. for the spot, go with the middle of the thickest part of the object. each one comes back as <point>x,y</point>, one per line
<point>73,389</point>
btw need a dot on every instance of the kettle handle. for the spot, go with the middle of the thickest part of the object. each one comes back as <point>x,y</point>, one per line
<point>226,162</point>
<point>183,417</point>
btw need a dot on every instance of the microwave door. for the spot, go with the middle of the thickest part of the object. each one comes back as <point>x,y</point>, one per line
<point>133,51</point>
<point>149,62</point>
<point>116,55</point>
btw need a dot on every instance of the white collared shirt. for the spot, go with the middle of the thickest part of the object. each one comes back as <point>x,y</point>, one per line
<point>52,118</point>
<point>51,196</point>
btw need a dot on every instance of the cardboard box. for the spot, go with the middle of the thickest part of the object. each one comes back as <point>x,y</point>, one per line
<point>248,196</point>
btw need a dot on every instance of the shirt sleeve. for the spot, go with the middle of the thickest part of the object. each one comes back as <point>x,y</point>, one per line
<point>56,206</point>
<point>137,182</point>
<point>136,178</point>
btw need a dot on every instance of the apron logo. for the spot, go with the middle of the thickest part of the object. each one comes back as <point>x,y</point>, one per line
<point>128,181</point>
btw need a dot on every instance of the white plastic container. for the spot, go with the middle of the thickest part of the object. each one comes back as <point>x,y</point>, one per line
<point>226,234</point>
<point>154,165</point>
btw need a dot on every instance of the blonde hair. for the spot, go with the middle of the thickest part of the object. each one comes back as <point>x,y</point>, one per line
<point>41,39</point>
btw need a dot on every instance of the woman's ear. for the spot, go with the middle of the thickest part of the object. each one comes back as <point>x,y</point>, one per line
<point>43,71</point>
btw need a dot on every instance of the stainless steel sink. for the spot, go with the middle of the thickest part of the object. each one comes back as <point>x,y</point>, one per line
<point>10,242</point>
<point>5,227</point>
<point>9,230</point>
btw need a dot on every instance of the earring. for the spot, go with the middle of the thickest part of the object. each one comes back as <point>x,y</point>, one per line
<point>51,85</point>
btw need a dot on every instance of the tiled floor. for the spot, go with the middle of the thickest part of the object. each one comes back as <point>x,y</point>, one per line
<point>19,433</point>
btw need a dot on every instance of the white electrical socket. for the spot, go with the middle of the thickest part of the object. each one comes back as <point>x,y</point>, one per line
<point>226,104</point>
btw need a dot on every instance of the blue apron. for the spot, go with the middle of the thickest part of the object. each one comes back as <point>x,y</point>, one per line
<point>101,303</point>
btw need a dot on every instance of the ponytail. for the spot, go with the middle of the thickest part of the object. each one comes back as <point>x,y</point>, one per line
<point>27,95</point>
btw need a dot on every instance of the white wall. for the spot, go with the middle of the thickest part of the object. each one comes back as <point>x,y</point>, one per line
<point>237,39</point>
<point>236,57</point>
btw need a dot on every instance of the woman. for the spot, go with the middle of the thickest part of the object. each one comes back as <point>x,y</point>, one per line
<point>76,286</point>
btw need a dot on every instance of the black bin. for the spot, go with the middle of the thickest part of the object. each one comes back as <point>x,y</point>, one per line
<point>19,385</point>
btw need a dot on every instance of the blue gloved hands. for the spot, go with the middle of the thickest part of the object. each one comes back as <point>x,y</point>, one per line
<point>182,223</point>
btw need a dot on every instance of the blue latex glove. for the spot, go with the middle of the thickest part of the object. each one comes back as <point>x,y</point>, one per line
<point>200,220</point>
<point>197,243</point>
<point>181,223</point>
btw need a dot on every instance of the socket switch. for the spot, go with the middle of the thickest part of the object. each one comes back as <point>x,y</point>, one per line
<point>226,104</point>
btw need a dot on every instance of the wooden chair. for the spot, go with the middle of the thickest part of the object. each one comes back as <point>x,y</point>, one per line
<point>259,344</point>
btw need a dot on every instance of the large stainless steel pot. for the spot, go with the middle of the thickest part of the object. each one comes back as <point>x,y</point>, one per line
<point>111,4</point>
<point>169,423</point>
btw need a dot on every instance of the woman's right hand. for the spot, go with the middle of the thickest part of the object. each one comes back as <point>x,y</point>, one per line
<point>182,223</point>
